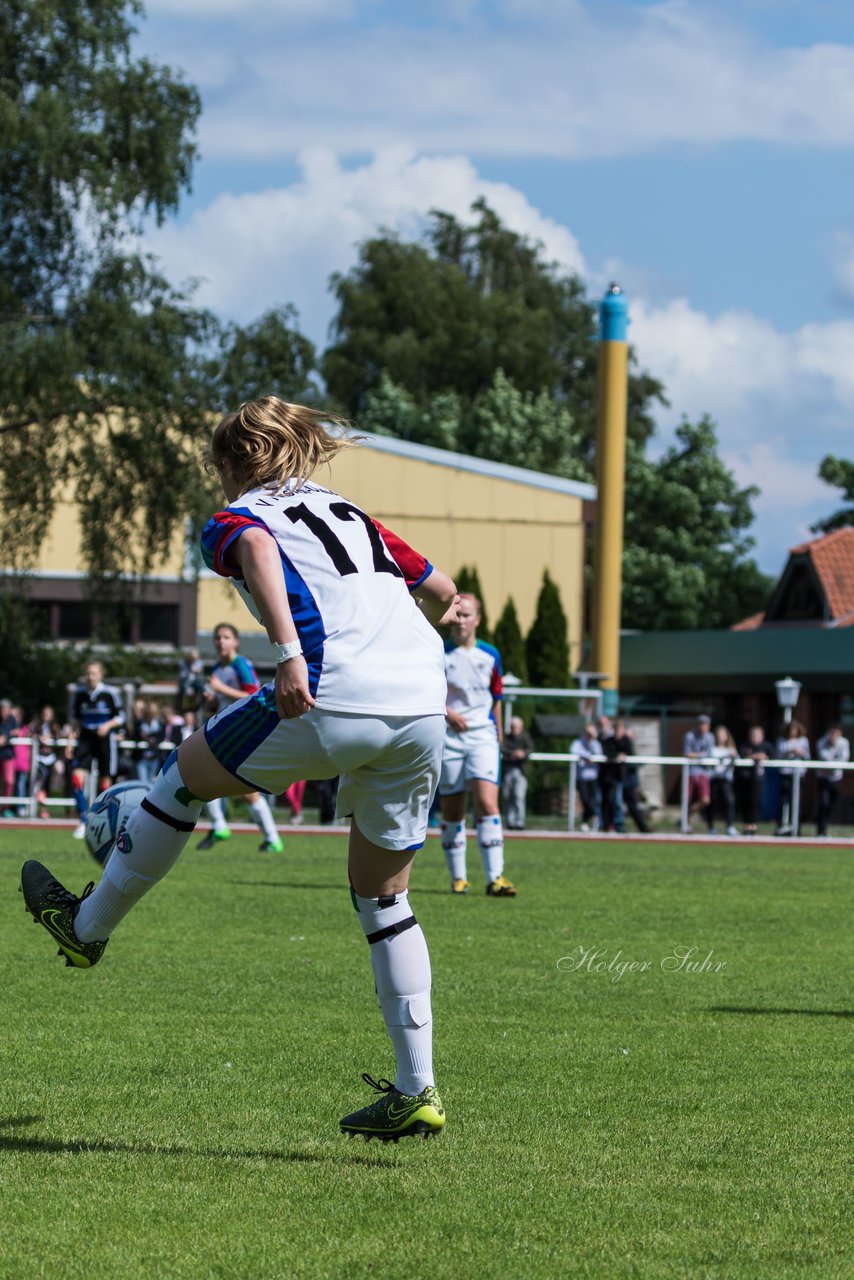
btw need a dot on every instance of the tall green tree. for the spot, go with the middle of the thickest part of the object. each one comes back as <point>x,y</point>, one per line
<point>839,473</point>
<point>547,644</point>
<point>447,314</point>
<point>268,357</point>
<point>510,642</point>
<point>686,562</point>
<point>104,380</point>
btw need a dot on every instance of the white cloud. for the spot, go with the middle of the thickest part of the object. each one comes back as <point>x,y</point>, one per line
<point>255,250</point>
<point>563,81</point>
<point>781,402</point>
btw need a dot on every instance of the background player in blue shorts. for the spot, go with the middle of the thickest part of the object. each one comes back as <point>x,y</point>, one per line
<point>233,678</point>
<point>359,692</point>
<point>471,759</point>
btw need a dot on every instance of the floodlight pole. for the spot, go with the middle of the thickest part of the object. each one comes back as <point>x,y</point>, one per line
<point>610,489</point>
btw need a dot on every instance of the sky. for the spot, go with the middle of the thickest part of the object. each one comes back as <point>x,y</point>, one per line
<point>700,154</point>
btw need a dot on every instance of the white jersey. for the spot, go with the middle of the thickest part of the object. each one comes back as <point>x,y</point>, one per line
<point>474,681</point>
<point>368,647</point>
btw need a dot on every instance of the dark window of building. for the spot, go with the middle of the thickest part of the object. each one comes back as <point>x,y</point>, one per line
<point>40,619</point>
<point>115,623</point>
<point>801,600</point>
<point>75,620</point>
<point>158,623</point>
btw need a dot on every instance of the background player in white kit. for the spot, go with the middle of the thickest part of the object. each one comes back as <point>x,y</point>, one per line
<point>359,691</point>
<point>472,755</point>
<point>233,678</point>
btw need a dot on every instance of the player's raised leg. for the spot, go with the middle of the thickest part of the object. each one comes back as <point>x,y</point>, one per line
<point>147,849</point>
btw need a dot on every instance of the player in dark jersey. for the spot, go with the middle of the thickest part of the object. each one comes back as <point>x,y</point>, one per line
<point>96,714</point>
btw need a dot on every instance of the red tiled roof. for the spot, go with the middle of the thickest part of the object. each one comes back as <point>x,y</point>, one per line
<point>749,624</point>
<point>833,560</point>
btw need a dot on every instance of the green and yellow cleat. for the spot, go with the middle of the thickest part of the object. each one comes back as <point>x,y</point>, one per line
<point>501,888</point>
<point>460,886</point>
<point>52,906</point>
<point>396,1115</point>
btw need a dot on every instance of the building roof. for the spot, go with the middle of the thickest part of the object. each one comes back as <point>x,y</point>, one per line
<point>827,565</point>
<point>479,466</point>
<point>736,661</point>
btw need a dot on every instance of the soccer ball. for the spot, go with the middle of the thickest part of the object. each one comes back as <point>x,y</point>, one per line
<point>107,818</point>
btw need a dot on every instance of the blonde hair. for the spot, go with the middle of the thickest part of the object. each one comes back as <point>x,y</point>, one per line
<point>270,442</point>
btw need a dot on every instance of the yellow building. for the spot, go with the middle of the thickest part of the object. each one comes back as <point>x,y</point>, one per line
<point>508,522</point>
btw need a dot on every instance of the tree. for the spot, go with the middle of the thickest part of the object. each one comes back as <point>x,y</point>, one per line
<point>268,357</point>
<point>448,314</point>
<point>547,646</point>
<point>686,562</point>
<point>510,643</point>
<point>839,473</point>
<point>104,381</point>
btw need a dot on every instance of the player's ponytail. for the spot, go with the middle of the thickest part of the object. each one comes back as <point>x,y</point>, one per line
<point>270,442</point>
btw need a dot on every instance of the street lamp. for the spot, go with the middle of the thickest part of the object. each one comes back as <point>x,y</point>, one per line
<point>788,692</point>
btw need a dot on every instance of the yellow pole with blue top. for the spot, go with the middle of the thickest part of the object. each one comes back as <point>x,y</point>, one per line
<point>610,491</point>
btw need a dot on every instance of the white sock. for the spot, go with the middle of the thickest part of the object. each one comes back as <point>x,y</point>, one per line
<point>490,841</point>
<point>216,813</point>
<point>453,836</point>
<point>263,816</point>
<point>149,846</point>
<point>401,965</point>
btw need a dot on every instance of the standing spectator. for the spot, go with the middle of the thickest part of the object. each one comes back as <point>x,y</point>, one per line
<point>149,730</point>
<point>722,797</point>
<point>47,732</point>
<point>191,682</point>
<point>326,790</point>
<point>698,745</point>
<point>96,713</point>
<point>757,749</point>
<point>471,757</point>
<point>587,748</point>
<point>793,744</point>
<point>610,777</point>
<point>9,727</point>
<point>625,740</point>
<point>832,747</point>
<point>293,798</point>
<point>23,758</point>
<point>515,749</point>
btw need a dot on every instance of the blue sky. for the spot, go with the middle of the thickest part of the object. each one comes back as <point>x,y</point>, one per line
<point>701,154</point>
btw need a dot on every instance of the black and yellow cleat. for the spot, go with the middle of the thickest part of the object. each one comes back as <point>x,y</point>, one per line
<point>52,906</point>
<point>396,1115</point>
<point>460,886</point>
<point>501,888</point>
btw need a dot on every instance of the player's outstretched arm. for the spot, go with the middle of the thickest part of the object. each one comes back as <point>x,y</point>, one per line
<point>437,598</point>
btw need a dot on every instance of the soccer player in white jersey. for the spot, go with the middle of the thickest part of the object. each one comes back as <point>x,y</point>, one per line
<point>359,691</point>
<point>471,759</point>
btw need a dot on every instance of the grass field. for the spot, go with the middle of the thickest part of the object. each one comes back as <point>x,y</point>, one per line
<point>174,1112</point>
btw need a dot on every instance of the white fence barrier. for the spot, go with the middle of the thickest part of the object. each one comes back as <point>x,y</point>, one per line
<point>796,767</point>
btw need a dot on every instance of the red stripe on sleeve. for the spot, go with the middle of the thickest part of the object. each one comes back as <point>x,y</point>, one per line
<point>412,564</point>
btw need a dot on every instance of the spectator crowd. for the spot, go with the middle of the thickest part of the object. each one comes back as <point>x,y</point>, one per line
<point>726,781</point>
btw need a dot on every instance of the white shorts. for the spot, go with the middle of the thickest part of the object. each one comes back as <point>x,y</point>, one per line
<point>468,757</point>
<point>388,765</point>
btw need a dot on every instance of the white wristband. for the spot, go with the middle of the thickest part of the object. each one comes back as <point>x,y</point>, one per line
<point>284,652</point>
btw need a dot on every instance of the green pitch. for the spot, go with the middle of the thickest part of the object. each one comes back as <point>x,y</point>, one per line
<point>174,1112</point>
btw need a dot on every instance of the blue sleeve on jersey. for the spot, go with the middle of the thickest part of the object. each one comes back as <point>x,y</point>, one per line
<point>220,532</point>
